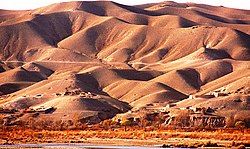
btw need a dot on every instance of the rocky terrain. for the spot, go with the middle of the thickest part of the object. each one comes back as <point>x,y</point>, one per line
<point>88,61</point>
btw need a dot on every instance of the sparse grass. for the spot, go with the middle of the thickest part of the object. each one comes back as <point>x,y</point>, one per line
<point>227,137</point>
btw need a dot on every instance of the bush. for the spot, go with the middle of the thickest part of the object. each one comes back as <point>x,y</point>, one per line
<point>126,123</point>
<point>210,144</point>
<point>1,121</point>
<point>106,123</point>
<point>240,124</point>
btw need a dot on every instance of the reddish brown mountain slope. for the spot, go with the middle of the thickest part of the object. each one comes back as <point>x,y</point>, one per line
<point>104,57</point>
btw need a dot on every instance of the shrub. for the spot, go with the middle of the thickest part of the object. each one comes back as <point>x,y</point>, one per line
<point>106,123</point>
<point>126,123</point>
<point>210,144</point>
<point>1,121</point>
<point>240,124</point>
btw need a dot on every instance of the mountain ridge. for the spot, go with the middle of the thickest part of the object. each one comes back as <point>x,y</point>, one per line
<point>135,56</point>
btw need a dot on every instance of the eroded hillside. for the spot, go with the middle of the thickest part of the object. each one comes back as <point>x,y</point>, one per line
<point>89,61</point>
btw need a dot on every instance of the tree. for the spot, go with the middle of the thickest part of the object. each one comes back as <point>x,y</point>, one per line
<point>240,124</point>
<point>126,123</point>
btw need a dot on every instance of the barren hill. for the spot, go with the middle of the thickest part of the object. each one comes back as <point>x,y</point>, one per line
<point>95,59</point>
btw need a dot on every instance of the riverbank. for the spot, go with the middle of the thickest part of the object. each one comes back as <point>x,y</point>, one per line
<point>130,137</point>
